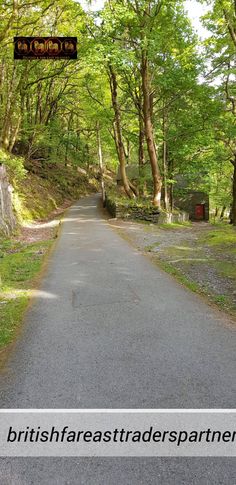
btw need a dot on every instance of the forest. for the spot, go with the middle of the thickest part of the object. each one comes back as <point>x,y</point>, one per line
<point>117,242</point>
<point>145,91</point>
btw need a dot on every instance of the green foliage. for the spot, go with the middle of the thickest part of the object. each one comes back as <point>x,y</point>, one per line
<point>15,165</point>
<point>49,110</point>
<point>19,264</point>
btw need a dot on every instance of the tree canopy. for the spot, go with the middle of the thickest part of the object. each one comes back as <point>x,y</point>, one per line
<point>144,87</point>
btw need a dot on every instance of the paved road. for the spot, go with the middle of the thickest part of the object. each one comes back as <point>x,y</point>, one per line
<point>108,329</point>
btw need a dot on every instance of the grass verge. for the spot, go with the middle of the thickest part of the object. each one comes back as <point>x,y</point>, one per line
<point>223,236</point>
<point>201,258</point>
<point>168,268</point>
<point>20,264</point>
<point>222,301</point>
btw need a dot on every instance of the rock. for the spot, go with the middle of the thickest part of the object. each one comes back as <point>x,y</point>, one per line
<point>7,217</point>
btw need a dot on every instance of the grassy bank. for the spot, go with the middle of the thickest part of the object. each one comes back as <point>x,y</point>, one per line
<point>20,264</point>
<point>40,194</point>
<point>40,187</point>
<point>35,198</point>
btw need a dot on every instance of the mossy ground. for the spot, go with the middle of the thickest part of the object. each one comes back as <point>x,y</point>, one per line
<point>20,263</point>
<point>35,198</point>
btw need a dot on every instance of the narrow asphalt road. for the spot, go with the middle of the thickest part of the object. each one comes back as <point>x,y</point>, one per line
<point>110,330</point>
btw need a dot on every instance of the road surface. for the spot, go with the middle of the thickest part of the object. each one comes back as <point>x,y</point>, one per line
<point>108,329</point>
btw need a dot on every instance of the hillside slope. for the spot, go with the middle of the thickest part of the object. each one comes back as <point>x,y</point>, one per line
<point>40,195</point>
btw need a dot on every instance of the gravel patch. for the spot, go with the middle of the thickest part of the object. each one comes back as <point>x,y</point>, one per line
<point>182,248</point>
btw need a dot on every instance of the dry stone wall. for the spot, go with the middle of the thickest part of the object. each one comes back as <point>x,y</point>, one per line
<point>150,214</point>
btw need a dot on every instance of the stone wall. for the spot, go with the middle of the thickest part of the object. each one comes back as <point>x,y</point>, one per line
<point>7,217</point>
<point>150,214</point>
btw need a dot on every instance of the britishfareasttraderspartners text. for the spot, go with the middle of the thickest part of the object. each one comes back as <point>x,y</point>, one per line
<point>66,435</point>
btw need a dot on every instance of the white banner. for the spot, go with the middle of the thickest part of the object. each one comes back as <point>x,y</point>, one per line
<point>117,432</point>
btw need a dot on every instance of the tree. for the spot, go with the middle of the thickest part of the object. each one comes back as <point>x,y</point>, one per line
<point>221,50</point>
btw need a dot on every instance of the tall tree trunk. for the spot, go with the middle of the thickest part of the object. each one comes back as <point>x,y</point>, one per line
<point>171,197</point>
<point>87,159</point>
<point>127,151</point>
<point>38,107</point>
<point>14,134</point>
<point>2,79</point>
<point>233,212</point>
<point>68,138</point>
<point>157,181</point>
<point>28,109</point>
<point>141,156</point>
<point>222,212</point>
<point>166,197</point>
<point>6,129</point>
<point>170,188</point>
<point>118,133</point>
<point>165,165</point>
<point>141,159</point>
<point>100,159</point>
